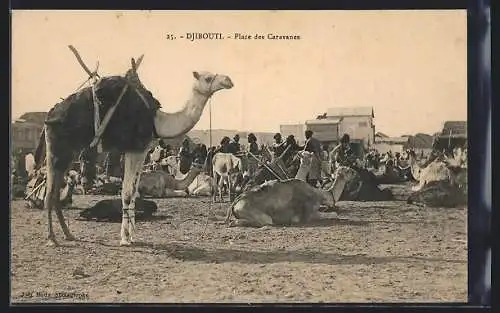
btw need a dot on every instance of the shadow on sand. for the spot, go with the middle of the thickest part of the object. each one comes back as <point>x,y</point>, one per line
<point>186,252</point>
<point>118,219</point>
<point>327,222</point>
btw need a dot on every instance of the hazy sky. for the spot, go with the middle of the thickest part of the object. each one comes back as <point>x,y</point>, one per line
<point>409,65</point>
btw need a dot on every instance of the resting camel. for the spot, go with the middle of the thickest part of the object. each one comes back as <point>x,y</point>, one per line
<point>110,210</point>
<point>203,185</point>
<point>283,202</point>
<point>160,184</point>
<point>442,183</point>
<point>359,185</point>
<point>275,202</point>
<point>69,128</point>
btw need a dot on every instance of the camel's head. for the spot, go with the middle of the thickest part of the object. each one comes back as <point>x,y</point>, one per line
<point>306,159</point>
<point>208,83</point>
<point>343,175</point>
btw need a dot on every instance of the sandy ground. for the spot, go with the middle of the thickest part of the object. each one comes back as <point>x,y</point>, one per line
<point>374,252</point>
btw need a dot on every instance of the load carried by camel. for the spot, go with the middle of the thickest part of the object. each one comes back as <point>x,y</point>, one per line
<point>35,190</point>
<point>359,185</point>
<point>130,120</point>
<point>110,210</point>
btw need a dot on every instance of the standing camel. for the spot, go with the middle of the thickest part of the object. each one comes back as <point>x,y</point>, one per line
<point>69,128</point>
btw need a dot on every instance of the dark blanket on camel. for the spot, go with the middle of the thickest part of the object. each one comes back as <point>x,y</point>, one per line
<point>368,191</point>
<point>130,129</point>
<point>110,210</point>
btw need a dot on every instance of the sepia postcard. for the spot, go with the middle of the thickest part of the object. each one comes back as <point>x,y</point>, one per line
<point>239,156</point>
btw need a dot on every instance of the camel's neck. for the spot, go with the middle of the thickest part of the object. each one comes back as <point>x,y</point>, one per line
<point>337,187</point>
<point>326,195</point>
<point>302,173</point>
<point>171,125</point>
<point>181,184</point>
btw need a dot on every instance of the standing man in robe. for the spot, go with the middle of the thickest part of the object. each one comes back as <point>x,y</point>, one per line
<point>313,145</point>
<point>278,145</point>
<point>253,149</point>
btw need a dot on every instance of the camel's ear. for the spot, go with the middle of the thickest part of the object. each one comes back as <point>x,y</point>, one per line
<point>138,61</point>
<point>134,64</point>
<point>196,75</point>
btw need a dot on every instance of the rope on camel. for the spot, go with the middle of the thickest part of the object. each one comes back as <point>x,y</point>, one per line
<point>211,157</point>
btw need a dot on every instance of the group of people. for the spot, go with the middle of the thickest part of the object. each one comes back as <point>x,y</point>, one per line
<point>22,165</point>
<point>285,149</point>
<point>339,155</point>
<point>187,156</point>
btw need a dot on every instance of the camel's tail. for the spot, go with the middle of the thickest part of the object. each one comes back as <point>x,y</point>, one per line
<point>40,151</point>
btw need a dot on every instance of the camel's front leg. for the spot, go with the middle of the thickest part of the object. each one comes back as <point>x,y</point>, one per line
<point>229,187</point>
<point>247,216</point>
<point>131,177</point>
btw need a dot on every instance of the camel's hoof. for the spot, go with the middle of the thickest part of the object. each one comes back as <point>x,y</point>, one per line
<point>327,209</point>
<point>267,227</point>
<point>69,237</point>
<point>125,243</point>
<point>233,224</point>
<point>51,242</point>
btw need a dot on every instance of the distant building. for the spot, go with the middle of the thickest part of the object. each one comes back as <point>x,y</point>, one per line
<point>393,144</point>
<point>420,143</point>
<point>453,134</point>
<point>380,135</point>
<point>26,130</point>
<point>297,130</point>
<point>325,130</point>
<point>357,122</point>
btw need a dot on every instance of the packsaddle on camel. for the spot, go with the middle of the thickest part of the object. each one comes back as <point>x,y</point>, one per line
<point>132,119</point>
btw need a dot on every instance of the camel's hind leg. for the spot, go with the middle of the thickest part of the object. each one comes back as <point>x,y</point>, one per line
<point>131,177</point>
<point>57,164</point>
<point>221,187</point>
<point>53,185</point>
<point>229,187</point>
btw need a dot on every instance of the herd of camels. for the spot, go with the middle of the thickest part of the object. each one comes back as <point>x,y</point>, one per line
<point>293,200</point>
